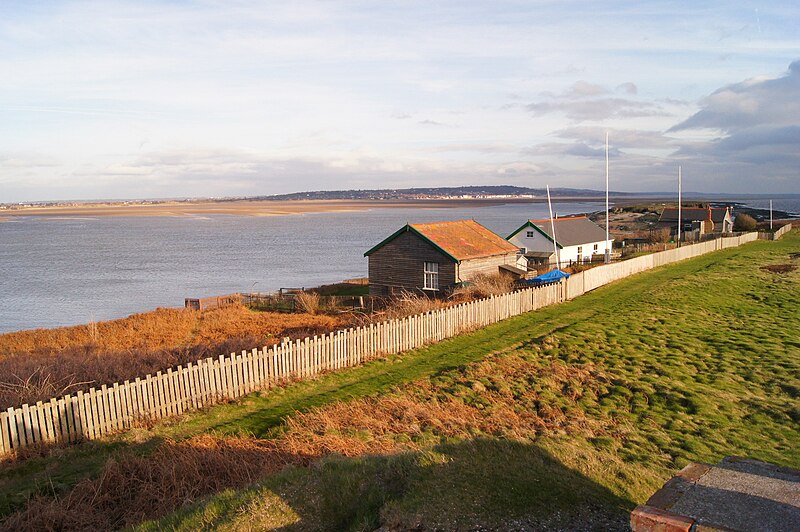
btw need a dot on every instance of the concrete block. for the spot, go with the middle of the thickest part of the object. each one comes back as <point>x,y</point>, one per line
<point>648,519</point>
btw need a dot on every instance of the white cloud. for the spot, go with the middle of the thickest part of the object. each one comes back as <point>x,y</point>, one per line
<point>329,95</point>
<point>754,102</point>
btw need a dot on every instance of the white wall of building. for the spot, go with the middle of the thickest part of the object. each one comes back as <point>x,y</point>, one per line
<point>533,240</point>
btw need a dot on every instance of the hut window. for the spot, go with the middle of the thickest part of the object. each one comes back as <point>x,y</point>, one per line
<point>431,275</point>
<point>529,234</point>
<point>595,247</point>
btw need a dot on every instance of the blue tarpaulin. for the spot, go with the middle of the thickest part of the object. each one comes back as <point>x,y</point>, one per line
<point>549,277</point>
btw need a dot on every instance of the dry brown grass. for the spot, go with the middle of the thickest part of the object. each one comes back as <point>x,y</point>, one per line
<point>133,488</point>
<point>483,285</point>
<point>161,328</point>
<point>409,304</point>
<point>779,268</point>
<point>308,302</point>
<point>43,363</point>
<point>479,403</point>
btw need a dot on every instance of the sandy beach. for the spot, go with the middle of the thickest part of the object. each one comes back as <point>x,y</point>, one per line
<point>253,208</point>
<point>283,207</point>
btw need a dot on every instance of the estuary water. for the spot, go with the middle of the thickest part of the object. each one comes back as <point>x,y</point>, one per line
<point>67,271</point>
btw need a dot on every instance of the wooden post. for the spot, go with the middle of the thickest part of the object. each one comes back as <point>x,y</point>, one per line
<point>130,412</point>
<point>148,396</point>
<point>41,424</point>
<point>13,433</point>
<point>94,406</point>
<point>5,439</point>
<point>219,386</point>
<point>245,373</point>
<point>77,421</point>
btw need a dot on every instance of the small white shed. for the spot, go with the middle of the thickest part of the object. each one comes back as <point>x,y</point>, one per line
<point>577,237</point>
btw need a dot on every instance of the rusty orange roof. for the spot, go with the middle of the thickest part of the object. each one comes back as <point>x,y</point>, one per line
<point>461,240</point>
<point>465,239</point>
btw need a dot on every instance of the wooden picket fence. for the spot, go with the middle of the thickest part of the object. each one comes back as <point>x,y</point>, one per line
<point>777,234</point>
<point>118,407</point>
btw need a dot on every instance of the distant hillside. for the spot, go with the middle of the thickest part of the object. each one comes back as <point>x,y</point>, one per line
<point>488,191</point>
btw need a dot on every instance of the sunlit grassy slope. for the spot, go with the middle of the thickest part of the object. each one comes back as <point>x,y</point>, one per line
<point>609,394</point>
<point>558,418</point>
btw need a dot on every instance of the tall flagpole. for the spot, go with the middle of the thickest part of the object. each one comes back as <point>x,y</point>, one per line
<point>679,206</point>
<point>608,251</point>
<point>553,229</point>
<point>770,215</point>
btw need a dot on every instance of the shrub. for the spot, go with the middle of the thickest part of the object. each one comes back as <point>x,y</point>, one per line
<point>409,304</point>
<point>483,285</point>
<point>659,235</point>
<point>308,302</point>
<point>744,222</point>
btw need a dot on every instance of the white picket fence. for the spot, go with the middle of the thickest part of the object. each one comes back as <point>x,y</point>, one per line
<point>115,408</point>
<point>777,234</point>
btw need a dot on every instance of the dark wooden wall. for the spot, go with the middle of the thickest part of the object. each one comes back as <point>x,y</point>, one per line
<point>400,264</point>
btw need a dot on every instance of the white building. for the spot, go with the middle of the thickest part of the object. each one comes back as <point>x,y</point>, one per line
<point>577,237</point>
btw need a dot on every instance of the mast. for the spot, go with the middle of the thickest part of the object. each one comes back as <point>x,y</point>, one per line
<point>679,206</point>
<point>608,251</point>
<point>553,229</point>
<point>770,215</point>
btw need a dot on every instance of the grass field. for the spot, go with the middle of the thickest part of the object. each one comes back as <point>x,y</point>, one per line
<point>562,418</point>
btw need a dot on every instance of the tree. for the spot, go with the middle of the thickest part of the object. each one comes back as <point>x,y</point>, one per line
<point>744,222</point>
<point>659,235</point>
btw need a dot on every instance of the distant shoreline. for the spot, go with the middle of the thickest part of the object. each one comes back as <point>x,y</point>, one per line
<point>263,208</point>
<point>297,207</point>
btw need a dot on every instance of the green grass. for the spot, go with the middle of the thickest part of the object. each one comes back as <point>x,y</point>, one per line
<point>443,488</point>
<point>699,360</point>
<point>344,289</point>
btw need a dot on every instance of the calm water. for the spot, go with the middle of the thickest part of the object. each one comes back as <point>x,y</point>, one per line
<point>790,205</point>
<point>66,271</point>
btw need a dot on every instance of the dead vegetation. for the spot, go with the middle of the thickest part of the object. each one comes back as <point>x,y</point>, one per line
<point>407,304</point>
<point>308,302</point>
<point>779,268</point>
<point>43,363</point>
<point>483,286</point>
<point>132,488</point>
<point>661,235</point>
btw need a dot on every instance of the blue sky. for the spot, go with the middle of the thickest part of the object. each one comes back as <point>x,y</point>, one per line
<point>119,99</point>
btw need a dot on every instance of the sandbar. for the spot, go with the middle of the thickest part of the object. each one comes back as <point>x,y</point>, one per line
<point>257,207</point>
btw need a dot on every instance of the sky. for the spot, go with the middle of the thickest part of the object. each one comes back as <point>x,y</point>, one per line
<point>158,99</point>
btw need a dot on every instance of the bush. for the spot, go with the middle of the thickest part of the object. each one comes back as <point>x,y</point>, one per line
<point>483,285</point>
<point>744,222</point>
<point>308,302</point>
<point>659,235</point>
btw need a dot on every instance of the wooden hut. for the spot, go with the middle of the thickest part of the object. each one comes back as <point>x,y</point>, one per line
<point>436,257</point>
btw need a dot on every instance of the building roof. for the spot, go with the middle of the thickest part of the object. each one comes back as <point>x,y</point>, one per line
<point>570,231</point>
<point>540,254</point>
<point>670,214</point>
<point>459,240</point>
